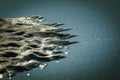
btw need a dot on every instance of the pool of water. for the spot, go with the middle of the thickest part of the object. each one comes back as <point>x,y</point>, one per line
<point>96,24</point>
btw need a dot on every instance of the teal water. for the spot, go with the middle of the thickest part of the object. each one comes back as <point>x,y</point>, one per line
<point>96,56</point>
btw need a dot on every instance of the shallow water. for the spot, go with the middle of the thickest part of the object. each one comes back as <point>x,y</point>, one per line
<point>96,56</point>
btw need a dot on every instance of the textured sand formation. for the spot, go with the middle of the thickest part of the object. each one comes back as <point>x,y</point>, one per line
<point>25,43</point>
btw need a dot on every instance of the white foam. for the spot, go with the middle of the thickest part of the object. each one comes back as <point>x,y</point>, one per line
<point>66,52</point>
<point>28,74</point>
<point>66,47</point>
<point>1,76</point>
<point>60,47</point>
<point>10,77</point>
<point>42,66</point>
<point>57,61</point>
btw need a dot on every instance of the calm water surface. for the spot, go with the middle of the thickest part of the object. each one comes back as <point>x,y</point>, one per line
<point>96,56</point>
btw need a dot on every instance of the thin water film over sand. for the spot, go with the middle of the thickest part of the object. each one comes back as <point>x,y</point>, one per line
<point>26,43</point>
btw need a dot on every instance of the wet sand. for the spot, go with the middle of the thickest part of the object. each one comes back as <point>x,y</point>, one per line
<point>26,43</point>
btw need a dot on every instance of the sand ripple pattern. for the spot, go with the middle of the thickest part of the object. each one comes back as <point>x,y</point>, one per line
<point>26,42</point>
